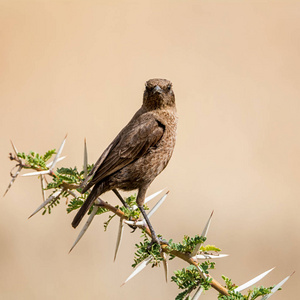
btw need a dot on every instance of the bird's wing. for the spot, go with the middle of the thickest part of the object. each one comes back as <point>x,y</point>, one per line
<point>96,166</point>
<point>132,144</point>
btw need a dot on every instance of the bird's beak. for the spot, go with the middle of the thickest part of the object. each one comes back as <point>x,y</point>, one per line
<point>157,89</point>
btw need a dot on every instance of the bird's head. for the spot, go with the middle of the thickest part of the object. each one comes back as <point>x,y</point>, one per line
<point>158,94</point>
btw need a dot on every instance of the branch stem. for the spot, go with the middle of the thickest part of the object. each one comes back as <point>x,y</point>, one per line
<point>184,256</point>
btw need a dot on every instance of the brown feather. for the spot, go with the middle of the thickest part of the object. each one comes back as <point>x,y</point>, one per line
<point>139,152</point>
<point>132,145</point>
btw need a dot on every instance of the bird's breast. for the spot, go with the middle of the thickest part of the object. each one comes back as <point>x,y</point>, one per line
<point>147,167</point>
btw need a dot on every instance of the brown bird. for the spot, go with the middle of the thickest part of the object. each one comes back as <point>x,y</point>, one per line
<point>139,152</point>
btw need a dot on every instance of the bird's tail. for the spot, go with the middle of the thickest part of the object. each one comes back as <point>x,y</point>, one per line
<point>96,191</point>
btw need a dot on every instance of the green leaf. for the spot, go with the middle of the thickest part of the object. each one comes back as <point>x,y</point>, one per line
<point>143,252</point>
<point>208,248</point>
<point>49,154</point>
<point>188,244</point>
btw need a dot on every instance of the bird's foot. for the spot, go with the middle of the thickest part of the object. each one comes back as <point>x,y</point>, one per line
<point>133,227</point>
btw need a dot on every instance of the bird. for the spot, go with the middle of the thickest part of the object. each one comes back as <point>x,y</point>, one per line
<point>139,153</point>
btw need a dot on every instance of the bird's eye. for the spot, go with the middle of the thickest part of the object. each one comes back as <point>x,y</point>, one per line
<point>169,87</point>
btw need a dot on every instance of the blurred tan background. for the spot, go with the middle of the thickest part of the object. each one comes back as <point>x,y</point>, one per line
<point>79,67</point>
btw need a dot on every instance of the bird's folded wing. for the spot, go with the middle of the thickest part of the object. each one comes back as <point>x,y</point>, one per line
<point>132,144</point>
<point>96,166</point>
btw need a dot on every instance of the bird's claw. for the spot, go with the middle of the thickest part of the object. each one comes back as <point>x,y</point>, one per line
<point>133,227</point>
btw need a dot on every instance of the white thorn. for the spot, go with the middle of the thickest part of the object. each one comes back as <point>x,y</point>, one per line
<point>86,226</point>
<point>153,196</point>
<point>202,273</point>
<point>59,159</point>
<point>139,268</point>
<point>14,177</point>
<point>51,198</point>
<point>277,287</point>
<point>43,188</point>
<point>58,153</point>
<point>198,293</point>
<point>72,193</point>
<point>209,256</point>
<point>165,263</point>
<point>147,199</point>
<point>157,205</point>
<point>14,147</point>
<point>119,237</point>
<point>204,233</point>
<point>253,281</point>
<point>141,223</point>
<point>36,173</point>
<point>205,230</point>
<point>85,160</point>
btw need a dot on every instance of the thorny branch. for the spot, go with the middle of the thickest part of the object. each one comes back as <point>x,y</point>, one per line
<point>134,222</point>
<point>22,165</point>
<point>142,225</point>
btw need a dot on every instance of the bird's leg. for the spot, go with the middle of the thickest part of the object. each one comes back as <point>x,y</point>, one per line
<point>153,234</point>
<point>120,198</point>
<point>125,205</point>
<point>140,201</point>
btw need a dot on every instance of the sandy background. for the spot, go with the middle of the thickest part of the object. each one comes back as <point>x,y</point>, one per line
<point>79,67</point>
